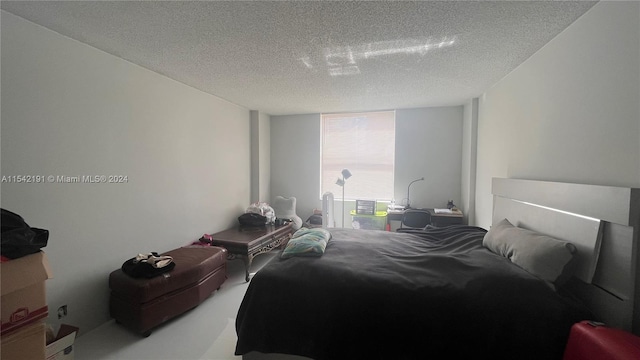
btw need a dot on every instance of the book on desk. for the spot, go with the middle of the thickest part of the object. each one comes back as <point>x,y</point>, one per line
<point>443,211</point>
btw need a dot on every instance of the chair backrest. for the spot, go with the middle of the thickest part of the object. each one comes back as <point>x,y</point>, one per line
<point>416,218</point>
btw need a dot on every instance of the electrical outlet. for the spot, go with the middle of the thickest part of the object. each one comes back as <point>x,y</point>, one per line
<point>62,311</point>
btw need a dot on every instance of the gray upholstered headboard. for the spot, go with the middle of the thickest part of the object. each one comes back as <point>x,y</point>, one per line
<point>604,224</point>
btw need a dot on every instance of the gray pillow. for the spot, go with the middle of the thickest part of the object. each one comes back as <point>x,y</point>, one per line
<point>550,259</point>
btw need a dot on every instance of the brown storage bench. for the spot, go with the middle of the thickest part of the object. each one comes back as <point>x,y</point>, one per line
<point>141,303</point>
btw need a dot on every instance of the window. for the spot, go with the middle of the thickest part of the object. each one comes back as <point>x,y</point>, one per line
<point>363,143</point>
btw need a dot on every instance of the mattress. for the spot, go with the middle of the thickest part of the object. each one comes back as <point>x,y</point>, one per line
<point>381,295</point>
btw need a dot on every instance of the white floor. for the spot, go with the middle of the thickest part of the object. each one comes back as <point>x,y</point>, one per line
<point>206,332</point>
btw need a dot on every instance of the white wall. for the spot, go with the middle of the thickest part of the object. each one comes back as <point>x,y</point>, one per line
<point>570,112</point>
<point>428,143</point>
<point>69,109</point>
<point>260,156</point>
<point>265,156</point>
<point>295,160</point>
<point>469,157</point>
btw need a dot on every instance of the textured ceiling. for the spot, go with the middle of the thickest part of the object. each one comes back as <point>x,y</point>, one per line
<point>307,57</point>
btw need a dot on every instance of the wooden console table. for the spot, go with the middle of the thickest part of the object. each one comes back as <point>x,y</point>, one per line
<point>249,242</point>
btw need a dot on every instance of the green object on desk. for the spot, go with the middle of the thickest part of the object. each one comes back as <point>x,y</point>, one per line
<point>369,222</point>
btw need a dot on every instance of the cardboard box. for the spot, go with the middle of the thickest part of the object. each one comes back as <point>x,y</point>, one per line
<point>25,343</point>
<point>23,291</point>
<point>61,348</point>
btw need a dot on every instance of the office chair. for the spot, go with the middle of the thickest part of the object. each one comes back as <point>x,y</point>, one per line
<point>415,219</point>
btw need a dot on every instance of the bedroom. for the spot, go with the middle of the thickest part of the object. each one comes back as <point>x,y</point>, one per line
<point>592,136</point>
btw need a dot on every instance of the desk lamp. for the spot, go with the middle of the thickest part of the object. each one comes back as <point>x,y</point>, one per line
<point>408,188</point>
<point>345,175</point>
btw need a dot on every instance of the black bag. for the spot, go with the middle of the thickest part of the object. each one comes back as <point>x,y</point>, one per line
<point>252,219</point>
<point>315,219</point>
<point>140,269</point>
<point>18,238</point>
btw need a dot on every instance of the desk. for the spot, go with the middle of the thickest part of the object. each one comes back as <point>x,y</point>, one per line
<point>455,218</point>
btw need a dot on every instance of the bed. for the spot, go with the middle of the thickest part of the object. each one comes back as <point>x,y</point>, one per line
<point>447,292</point>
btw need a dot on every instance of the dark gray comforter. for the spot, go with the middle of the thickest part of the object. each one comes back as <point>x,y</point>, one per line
<point>438,294</point>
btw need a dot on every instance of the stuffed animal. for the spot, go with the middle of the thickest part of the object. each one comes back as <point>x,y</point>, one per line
<point>285,208</point>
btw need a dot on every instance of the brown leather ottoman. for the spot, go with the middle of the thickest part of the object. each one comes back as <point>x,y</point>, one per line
<point>141,304</point>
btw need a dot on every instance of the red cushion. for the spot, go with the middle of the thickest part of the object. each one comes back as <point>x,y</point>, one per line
<point>591,341</point>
